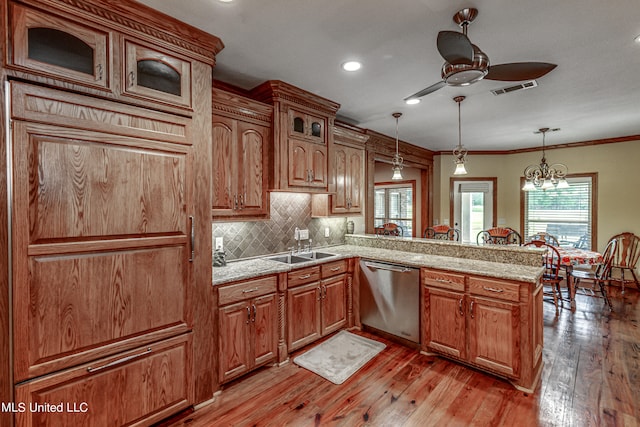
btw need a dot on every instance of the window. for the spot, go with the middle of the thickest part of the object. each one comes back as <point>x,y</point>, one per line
<point>565,213</point>
<point>395,203</point>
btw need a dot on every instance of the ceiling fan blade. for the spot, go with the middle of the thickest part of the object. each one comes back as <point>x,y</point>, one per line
<point>455,47</point>
<point>518,71</point>
<point>428,90</point>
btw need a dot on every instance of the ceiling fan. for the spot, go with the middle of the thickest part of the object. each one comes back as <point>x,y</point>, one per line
<point>465,63</point>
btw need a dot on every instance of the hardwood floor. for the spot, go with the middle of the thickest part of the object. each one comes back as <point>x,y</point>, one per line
<point>591,377</point>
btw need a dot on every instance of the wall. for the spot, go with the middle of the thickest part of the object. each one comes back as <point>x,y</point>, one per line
<point>383,174</point>
<point>288,211</point>
<point>618,178</point>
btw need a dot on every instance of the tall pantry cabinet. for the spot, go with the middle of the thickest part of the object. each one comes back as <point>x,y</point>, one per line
<point>106,164</point>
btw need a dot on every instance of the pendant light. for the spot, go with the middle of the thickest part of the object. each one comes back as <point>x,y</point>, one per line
<point>544,176</point>
<point>460,152</point>
<point>397,161</point>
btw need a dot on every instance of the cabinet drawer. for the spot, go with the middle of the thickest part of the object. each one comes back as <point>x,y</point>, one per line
<point>137,387</point>
<point>302,276</point>
<point>333,268</point>
<point>494,288</point>
<point>440,279</point>
<point>249,289</point>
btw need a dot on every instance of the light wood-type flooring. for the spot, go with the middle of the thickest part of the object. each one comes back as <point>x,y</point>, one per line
<point>591,377</point>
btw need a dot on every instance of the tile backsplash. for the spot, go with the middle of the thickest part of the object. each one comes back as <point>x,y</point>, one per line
<point>288,211</point>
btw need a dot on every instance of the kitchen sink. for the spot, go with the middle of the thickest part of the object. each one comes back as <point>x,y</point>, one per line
<point>301,257</point>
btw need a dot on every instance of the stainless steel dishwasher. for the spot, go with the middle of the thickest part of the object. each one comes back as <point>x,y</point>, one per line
<point>390,298</point>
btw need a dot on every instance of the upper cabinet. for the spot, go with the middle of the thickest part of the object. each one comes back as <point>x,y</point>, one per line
<point>348,169</point>
<point>242,142</point>
<point>156,75</point>
<point>303,130</point>
<point>59,48</point>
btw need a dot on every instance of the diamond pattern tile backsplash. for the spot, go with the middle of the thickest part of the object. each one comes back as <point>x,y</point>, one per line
<point>288,211</point>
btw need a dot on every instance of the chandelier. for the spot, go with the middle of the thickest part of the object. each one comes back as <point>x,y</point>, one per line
<point>397,161</point>
<point>544,176</point>
<point>460,153</point>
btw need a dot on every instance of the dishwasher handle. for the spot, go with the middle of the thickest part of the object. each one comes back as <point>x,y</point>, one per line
<point>390,267</point>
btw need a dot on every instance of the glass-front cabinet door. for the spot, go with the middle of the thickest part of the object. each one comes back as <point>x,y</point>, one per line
<point>53,46</point>
<point>156,75</point>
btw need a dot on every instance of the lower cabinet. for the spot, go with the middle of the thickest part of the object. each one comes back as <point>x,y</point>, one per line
<point>485,322</point>
<point>137,387</point>
<point>317,302</point>
<point>248,329</point>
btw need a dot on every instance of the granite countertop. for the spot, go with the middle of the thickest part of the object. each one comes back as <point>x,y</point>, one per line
<point>250,268</point>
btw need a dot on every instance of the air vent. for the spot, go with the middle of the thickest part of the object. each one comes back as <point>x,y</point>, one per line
<point>519,86</point>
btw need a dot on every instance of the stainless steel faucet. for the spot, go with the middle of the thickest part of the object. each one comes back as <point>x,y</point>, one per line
<point>296,235</point>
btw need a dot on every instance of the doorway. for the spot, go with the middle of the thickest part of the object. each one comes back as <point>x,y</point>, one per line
<point>473,206</point>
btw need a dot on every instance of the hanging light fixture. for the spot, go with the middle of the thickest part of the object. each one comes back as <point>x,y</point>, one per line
<point>397,161</point>
<point>544,176</point>
<point>460,152</point>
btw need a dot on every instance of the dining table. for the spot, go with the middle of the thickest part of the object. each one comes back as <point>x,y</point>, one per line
<point>571,257</point>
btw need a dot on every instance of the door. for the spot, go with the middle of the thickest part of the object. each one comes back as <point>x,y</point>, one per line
<point>234,338</point>
<point>265,329</point>
<point>444,316</point>
<point>252,146</point>
<point>473,206</point>
<point>223,166</point>
<point>334,309</point>
<point>303,315</point>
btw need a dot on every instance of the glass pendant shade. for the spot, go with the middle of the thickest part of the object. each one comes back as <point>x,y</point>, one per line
<point>397,161</point>
<point>460,169</point>
<point>460,153</point>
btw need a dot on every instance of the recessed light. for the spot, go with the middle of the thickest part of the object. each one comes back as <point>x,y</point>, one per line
<point>412,101</point>
<point>225,1</point>
<point>351,66</point>
<point>637,39</point>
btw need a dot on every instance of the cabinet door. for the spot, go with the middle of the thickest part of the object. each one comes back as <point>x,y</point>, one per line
<point>59,48</point>
<point>318,164</point>
<point>494,335</point>
<point>334,304</point>
<point>265,329</point>
<point>355,179</point>
<point>139,387</point>
<point>303,315</point>
<point>340,198</point>
<point>316,128</point>
<point>234,335</point>
<point>444,328</point>
<point>253,145</point>
<point>225,197</point>
<point>157,75</point>
<point>299,164</point>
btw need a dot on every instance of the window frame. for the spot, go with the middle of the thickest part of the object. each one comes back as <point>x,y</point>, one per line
<point>398,184</point>
<point>594,206</point>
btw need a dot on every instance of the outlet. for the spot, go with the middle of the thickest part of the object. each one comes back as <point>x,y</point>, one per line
<point>327,232</point>
<point>304,234</point>
<point>219,246</point>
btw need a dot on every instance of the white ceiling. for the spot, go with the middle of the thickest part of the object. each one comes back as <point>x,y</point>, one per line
<point>594,93</point>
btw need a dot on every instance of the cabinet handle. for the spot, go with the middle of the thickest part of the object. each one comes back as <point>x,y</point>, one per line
<point>308,175</point>
<point>493,289</point>
<point>119,361</point>
<point>132,78</point>
<point>443,281</point>
<point>235,202</point>
<point>336,269</point>
<point>248,315</point>
<point>246,291</point>
<point>241,201</point>
<point>193,238</point>
<point>324,292</point>
<point>319,293</point>
<point>471,309</point>
<point>312,175</point>
<point>99,72</point>
<point>460,310</point>
<point>306,276</point>
<point>255,312</point>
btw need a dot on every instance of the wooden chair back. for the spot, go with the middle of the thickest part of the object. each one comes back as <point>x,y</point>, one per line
<point>549,239</point>
<point>442,232</point>
<point>389,229</point>
<point>499,236</point>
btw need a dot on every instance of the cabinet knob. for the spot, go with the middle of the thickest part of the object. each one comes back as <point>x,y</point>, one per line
<point>132,78</point>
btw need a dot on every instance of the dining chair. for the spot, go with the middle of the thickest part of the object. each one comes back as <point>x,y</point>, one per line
<point>626,257</point>
<point>551,277</point>
<point>550,239</point>
<point>598,278</point>
<point>389,229</point>
<point>499,236</point>
<point>442,232</point>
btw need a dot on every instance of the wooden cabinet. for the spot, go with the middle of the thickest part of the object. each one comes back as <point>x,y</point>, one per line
<point>60,48</point>
<point>303,129</point>
<point>138,387</point>
<point>350,180</point>
<point>241,147</point>
<point>247,327</point>
<point>479,321</point>
<point>317,302</point>
<point>157,75</point>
